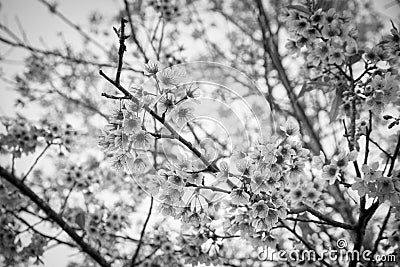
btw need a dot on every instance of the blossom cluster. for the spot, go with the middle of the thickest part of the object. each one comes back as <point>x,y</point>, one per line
<point>382,90</point>
<point>123,134</point>
<point>274,168</point>
<point>167,8</point>
<point>23,137</point>
<point>8,243</point>
<point>10,199</point>
<point>376,184</point>
<point>100,223</point>
<point>334,170</point>
<point>257,195</point>
<point>329,42</point>
<point>130,133</point>
<point>79,177</point>
<point>325,34</point>
<point>12,250</point>
<point>20,137</point>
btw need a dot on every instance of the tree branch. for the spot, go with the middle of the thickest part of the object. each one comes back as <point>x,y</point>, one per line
<point>53,9</point>
<point>35,162</point>
<point>322,217</point>
<point>25,190</point>
<point>305,242</point>
<point>62,56</point>
<point>54,238</point>
<point>142,233</point>
<point>394,157</point>
<point>379,237</point>
<point>273,53</point>
<point>133,34</point>
<point>121,50</point>
<point>177,136</point>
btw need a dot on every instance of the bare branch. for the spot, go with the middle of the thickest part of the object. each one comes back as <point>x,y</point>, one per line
<point>133,33</point>
<point>36,161</point>
<point>177,136</point>
<point>322,217</point>
<point>306,243</point>
<point>142,233</point>
<point>25,190</point>
<point>379,237</point>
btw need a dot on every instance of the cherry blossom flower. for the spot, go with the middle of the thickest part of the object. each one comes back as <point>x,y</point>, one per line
<point>140,139</point>
<point>296,195</point>
<point>182,114</point>
<point>239,196</point>
<point>259,183</point>
<point>317,17</point>
<point>139,163</point>
<point>260,209</point>
<point>336,56</point>
<point>300,26</point>
<point>341,160</point>
<point>385,186</point>
<point>166,103</point>
<point>151,68</point>
<point>290,128</point>
<point>223,173</point>
<point>371,172</point>
<point>176,181</point>
<point>370,54</point>
<point>132,124</point>
<point>195,178</point>
<point>171,76</point>
<point>330,31</point>
<point>291,46</point>
<point>330,172</point>
<point>331,16</point>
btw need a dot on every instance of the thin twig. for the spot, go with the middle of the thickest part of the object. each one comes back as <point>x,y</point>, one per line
<point>322,217</point>
<point>394,157</point>
<point>142,233</point>
<point>367,138</point>
<point>379,237</point>
<point>64,205</point>
<point>114,96</point>
<point>271,47</point>
<point>42,234</point>
<point>121,50</point>
<point>36,161</point>
<point>62,56</point>
<point>53,9</point>
<point>133,33</point>
<point>178,137</point>
<point>306,243</point>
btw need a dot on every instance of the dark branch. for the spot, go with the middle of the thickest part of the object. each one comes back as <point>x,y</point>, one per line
<point>121,50</point>
<point>133,34</point>
<point>142,233</point>
<point>322,217</point>
<point>177,136</point>
<point>379,237</point>
<point>25,190</point>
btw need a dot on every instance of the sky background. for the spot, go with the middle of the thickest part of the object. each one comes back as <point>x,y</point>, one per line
<point>42,28</point>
